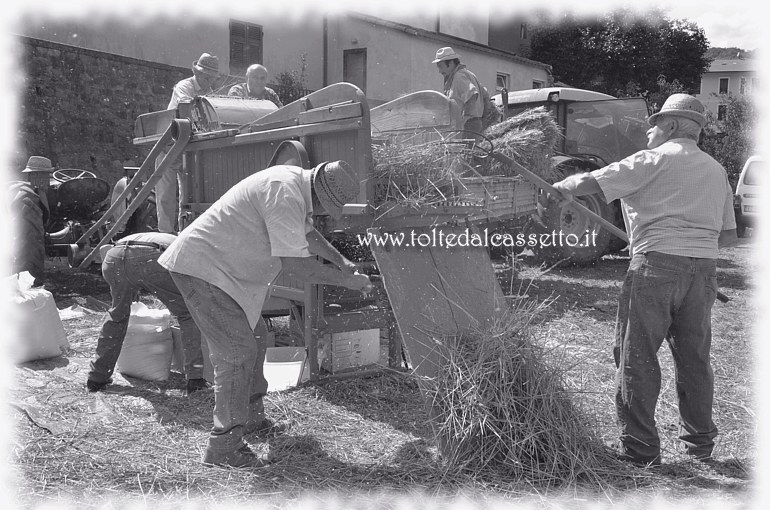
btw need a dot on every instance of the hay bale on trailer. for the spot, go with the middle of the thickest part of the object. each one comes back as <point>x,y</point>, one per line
<point>427,166</point>
<point>528,138</point>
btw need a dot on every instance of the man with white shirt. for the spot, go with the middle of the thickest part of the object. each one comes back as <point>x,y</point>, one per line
<point>678,208</point>
<point>205,72</point>
<point>223,263</point>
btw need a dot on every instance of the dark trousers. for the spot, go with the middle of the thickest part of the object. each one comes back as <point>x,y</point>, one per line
<point>665,297</point>
<point>127,270</point>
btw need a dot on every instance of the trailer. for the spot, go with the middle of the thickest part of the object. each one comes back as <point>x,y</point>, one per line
<point>221,140</point>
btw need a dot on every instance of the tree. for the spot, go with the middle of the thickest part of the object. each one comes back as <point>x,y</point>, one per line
<point>732,140</point>
<point>621,51</point>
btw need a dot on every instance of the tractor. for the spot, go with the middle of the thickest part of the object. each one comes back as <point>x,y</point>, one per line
<point>54,207</point>
<point>598,130</point>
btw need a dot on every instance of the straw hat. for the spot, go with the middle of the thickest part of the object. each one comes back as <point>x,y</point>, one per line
<point>208,64</point>
<point>446,53</point>
<point>38,164</point>
<point>681,105</point>
<point>335,184</point>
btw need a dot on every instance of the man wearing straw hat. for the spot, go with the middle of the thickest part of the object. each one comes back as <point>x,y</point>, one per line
<point>678,209</point>
<point>205,72</point>
<point>463,89</point>
<point>223,263</point>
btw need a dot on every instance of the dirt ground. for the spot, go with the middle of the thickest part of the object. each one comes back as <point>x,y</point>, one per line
<point>367,437</point>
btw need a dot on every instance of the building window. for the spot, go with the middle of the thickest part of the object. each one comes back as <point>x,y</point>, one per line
<point>721,112</point>
<point>743,85</point>
<point>723,85</point>
<point>354,67</point>
<point>537,84</point>
<point>245,46</point>
<point>502,82</point>
<point>523,31</point>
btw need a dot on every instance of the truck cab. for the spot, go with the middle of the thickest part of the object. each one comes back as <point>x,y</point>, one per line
<point>598,129</point>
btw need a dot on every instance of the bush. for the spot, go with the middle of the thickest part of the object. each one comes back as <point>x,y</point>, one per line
<point>290,85</point>
<point>731,140</point>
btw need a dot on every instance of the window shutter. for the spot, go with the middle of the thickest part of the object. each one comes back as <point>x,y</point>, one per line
<point>237,47</point>
<point>254,44</point>
<point>245,46</point>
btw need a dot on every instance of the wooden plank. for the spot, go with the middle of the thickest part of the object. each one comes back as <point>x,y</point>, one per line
<point>361,319</point>
<point>436,292</point>
<point>326,114</point>
<point>333,94</point>
<point>423,109</point>
<point>294,131</point>
<point>272,125</point>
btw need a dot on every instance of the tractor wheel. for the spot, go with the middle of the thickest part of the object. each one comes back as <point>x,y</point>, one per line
<point>29,232</point>
<point>570,235</point>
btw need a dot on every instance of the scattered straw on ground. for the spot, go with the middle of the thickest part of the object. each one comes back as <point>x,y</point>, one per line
<point>367,441</point>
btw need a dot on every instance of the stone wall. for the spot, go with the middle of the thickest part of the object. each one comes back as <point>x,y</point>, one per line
<point>78,106</point>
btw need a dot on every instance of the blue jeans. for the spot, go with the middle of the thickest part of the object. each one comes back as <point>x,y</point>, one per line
<point>129,269</point>
<point>665,297</point>
<point>237,356</point>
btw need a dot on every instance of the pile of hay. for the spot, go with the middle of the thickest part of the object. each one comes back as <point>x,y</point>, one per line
<point>500,410</point>
<point>419,173</point>
<point>422,170</point>
<point>528,138</point>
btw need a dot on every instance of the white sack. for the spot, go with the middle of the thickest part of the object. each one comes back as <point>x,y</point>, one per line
<point>41,334</point>
<point>148,346</point>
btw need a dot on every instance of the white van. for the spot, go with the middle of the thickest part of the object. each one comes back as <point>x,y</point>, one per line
<point>747,194</point>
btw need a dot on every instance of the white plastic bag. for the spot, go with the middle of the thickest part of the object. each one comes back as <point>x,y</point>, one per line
<point>148,346</point>
<point>41,334</point>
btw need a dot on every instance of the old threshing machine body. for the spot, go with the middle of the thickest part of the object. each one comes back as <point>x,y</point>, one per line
<point>223,140</point>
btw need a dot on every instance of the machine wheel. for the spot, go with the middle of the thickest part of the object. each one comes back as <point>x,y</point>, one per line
<point>29,233</point>
<point>566,226</point>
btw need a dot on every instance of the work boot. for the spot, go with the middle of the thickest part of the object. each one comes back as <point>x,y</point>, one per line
<point>639,461</point>
<point>243,457</point>
<point>623,455</point>
<point>263,426</point>
<point>94,386</point>
<point>194,385</point>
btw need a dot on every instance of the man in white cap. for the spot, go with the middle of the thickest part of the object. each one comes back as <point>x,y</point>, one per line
<point>205,72</point>
<point>465,93</point>
<point>224,261</point>
<point>678,209</point>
